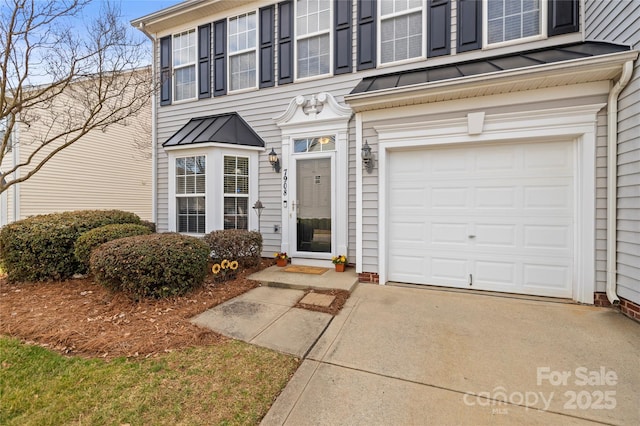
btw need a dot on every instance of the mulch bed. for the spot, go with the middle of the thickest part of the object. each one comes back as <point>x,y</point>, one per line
<point>81,317</point>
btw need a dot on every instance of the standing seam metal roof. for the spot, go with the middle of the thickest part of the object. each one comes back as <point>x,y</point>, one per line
<point>488,65</point>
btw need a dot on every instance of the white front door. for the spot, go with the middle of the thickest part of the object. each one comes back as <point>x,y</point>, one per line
<point>311,224</point>
<point>491,217</point>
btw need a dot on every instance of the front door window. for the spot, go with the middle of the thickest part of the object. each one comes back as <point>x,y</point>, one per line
<point>313,205</point>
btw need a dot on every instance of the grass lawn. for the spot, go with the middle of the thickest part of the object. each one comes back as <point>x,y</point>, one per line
<point>227,383</point>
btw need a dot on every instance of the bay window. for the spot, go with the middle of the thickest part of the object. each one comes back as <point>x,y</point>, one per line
<point>190,192</point>
<point>236,192</point>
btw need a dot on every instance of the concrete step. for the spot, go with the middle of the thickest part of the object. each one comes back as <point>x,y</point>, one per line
<point>276,276</point>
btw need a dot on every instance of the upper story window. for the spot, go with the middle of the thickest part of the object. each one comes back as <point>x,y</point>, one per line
<point>184,65</point>
<point>401,30</point>
<point>512,19</point>
<point>313,37</point>
<point>242,51</point>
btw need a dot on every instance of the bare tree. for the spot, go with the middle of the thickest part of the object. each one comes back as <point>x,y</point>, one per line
<point>84,76</point>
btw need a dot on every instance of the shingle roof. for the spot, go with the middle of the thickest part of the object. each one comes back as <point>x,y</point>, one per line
<point>488,65</point>
<point>221,128</point>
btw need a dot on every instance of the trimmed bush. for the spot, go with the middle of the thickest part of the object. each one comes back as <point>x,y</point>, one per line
<point>156,265</point>
<point>233,244</point>
<point>97,236</point>
<point>41,247</point>
<point>150,225</point>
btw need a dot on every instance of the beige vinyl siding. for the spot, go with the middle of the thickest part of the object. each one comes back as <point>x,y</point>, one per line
<point>618,21</point>
<point>102,170</point>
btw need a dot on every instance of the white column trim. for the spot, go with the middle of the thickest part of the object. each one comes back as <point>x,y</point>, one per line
<point>358,162</point>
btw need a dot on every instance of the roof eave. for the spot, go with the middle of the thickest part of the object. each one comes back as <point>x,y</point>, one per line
<point>463,86</point>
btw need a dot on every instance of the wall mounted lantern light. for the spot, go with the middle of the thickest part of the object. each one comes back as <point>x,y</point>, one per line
<point>367,157</point>
<point>274,160</point>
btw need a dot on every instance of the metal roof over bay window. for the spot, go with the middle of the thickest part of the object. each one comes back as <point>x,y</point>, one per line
<point>221,128</point>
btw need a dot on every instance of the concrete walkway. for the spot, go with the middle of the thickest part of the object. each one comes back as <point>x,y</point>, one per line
<point>406,356</point>
<point>265,316</point>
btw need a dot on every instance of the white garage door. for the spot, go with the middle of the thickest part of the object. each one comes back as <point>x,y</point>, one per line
<point>488,217</point>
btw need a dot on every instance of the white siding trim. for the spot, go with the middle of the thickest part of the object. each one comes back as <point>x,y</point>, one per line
<point>578,123</point>
<point>358,193</point>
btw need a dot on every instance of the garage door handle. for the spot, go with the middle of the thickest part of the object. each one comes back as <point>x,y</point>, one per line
<point>472,236</point>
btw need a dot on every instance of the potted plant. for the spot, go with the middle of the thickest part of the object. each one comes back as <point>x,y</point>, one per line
<point>281,258</point>
<point>340,261</point>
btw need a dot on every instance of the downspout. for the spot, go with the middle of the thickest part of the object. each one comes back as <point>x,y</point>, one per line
<point>154,131</point>
<point>612,180</point>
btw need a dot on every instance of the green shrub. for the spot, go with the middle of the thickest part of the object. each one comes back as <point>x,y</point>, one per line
<point>150,225</point>
<point>232,244</point>
<point>97,236</point>
<point>156,265</point>
<point>41,247</point>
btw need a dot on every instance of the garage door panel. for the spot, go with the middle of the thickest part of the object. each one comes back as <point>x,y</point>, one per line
<point>545,276</point>
<point>452,270</point>
<point>449,233</point>
<point>449,197</point>
<point>495,235</point>
<point>558,197</point>
<point>503,213</point>
<point>503,197</point>
<point>548,237</point>
<point>487,272</point>
<point>407,232</point>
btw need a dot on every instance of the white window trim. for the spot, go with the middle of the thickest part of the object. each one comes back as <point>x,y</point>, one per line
<point>236,195</point>
<point>577,123</point>
<point>173,196</point>
<point>311,35</point>
<point>379,18</point>
<point>214,186</point>
<point>485,29</point>
<point>241,52</point>
<point>194,64</point>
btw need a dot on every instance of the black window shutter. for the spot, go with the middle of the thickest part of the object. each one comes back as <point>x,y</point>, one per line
<point>165,70</point>
<point>469,25</point>
<point>438,27</point>
<point>204,61</point>
<point>285,42</point>
<point>342,36</point>
<point>267,49</point>
<point>563,17</point>
<point>220,58</point>
<point>367,44</point>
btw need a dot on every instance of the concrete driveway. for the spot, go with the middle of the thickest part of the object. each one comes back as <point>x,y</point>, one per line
<point>407,356</point>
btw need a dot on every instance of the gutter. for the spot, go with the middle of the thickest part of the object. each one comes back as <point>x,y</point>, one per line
<point>612,179</point>
<point>154,130</point>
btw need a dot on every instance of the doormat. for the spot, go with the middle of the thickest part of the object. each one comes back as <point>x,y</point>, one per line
<point>301,269</point>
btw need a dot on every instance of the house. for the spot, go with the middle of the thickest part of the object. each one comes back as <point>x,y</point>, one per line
<point>104,169</point>
<point>490,145</point>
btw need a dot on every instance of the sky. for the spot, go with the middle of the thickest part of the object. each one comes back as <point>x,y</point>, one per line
<point>131,9</point>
